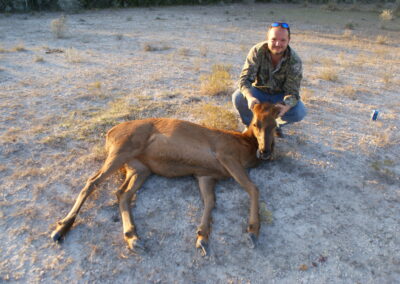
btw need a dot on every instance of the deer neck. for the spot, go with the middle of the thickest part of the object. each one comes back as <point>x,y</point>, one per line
<point>248,135</point>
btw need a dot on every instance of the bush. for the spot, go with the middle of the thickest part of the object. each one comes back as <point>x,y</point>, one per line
<point>218,82</point>
<point>216,116</point>
<point>59,27</point>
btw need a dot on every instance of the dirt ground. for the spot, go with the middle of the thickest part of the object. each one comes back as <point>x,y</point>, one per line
<point>329,200</point>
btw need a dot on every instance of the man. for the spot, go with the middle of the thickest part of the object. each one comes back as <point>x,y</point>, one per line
<point>272,73</point>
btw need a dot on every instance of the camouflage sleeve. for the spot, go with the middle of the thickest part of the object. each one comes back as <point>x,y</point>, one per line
<point>249,72</point>
<point>291,86</point>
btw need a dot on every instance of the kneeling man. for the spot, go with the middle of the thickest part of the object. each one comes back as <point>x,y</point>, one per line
<point>272,73</point>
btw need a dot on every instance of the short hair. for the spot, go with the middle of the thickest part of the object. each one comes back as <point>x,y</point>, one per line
<point>271,27</point>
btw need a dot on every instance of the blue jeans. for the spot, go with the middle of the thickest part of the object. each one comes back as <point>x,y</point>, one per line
<point>295,114</point>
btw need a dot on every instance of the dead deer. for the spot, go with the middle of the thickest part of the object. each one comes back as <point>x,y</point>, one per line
<point>173,148</point>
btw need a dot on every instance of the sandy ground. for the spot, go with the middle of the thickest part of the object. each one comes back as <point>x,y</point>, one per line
<point>330,199</point>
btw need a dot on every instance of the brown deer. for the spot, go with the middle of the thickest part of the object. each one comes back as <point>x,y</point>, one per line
<point>173,148</point>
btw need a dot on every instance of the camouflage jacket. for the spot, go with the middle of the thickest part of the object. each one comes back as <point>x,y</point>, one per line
<point>259,72</point>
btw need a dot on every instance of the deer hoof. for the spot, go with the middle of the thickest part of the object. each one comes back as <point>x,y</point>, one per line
<point>251,240</point>
<point>62,228</point>
<point>136,245</point>
<point>56,236</point>
<point>202,245</point>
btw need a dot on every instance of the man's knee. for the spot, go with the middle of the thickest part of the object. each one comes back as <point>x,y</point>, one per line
<point>240,103</point>
<point>301,111</point>
<point>296,114</point>
<point>238,99</point>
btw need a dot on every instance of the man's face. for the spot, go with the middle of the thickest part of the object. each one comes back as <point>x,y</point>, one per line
<point>278,40</point>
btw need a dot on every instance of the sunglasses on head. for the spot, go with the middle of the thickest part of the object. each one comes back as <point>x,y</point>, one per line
<point>278,24</point>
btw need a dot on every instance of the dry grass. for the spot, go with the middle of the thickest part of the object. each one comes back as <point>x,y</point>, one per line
<point>381,39</point>
<point>386,15</point>
<point>396,10</point>
<point>347,34</point>
<point>98,153</point>
<point>312,60</point>
<point>349,26</point>
<point>92,124</point>
<point>265,214</point>
<point>66,109</point>
<point>184,51</point>
<point>203,51</point>
<point>95,90</point>
<point>197,63</point>
<point>362,60</point>
<point>215,116</point>
<point>3,50</point>
<point>38,59</point>
<point>331,6</point>
<point>387,77</point>
<point>18,48</point>
<point>329,74</point>
<point>348,91</point>
<point>73,55</point>
<point>94,86</point>
<point>382,51</point>
<point>59,27</point>
<point>155,47</point>
<point>379,137</point>
<point>307,95</point>
<point>218,82</point>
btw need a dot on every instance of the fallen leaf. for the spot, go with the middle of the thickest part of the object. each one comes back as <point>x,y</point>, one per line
<point>303,267</point>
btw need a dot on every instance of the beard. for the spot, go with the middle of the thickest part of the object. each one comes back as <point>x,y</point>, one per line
<point>279,51</point>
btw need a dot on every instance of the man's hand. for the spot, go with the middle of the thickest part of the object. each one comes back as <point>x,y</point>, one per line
<point>251,102</point>
<point>282,109</point>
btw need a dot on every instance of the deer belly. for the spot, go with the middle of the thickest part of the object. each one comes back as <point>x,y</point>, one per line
<point>183,163</point>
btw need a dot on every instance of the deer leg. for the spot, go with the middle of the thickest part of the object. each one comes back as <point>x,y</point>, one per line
<point>240,175</point>
<point>112,164</point>
<point>206,185</point>
<point>136,175</point>
<point>253,227</point>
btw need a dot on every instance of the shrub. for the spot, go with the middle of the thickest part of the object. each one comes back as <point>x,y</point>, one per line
<point>349,26</point>
<point>386,15</point>
<point>387,77</point>
<point>329,74</point>
<point>348,91</point>
<point>216,116</point>
<point>306,94</point>
<point>152,47</point>
<point>218,82</point>
<point>184,51</point>
<point>38,59</point>
<point>20,47</point>
<point>347,33</point>
<point>381,39</point>
<point>59,27</point>
<point>73,56</point>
